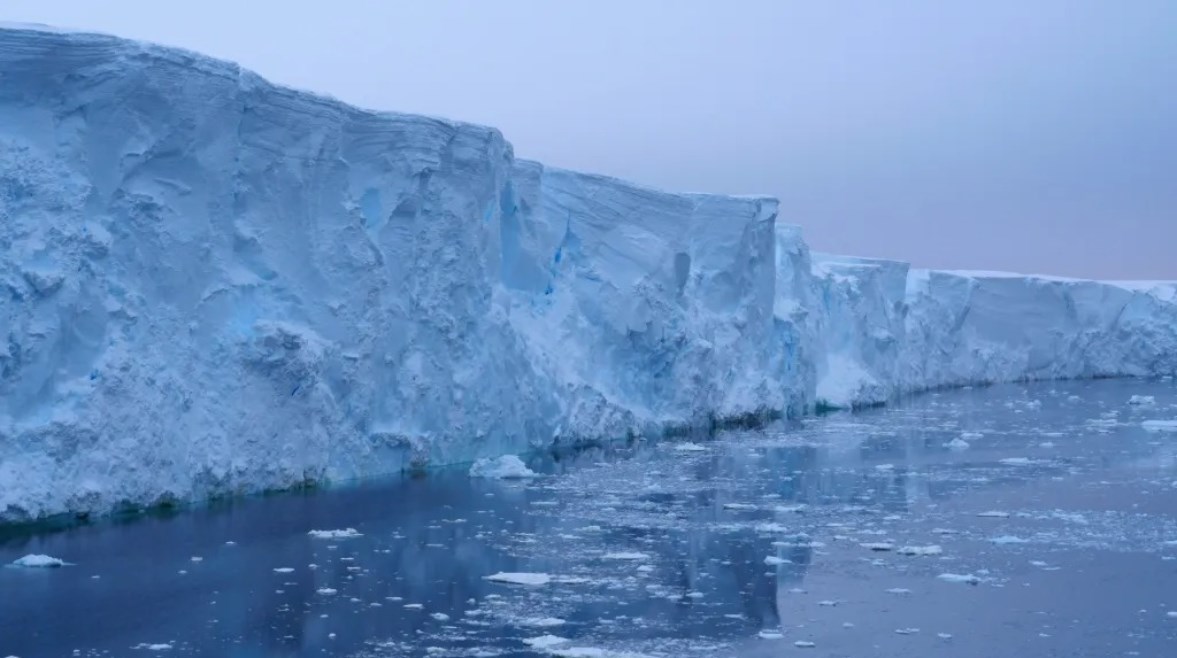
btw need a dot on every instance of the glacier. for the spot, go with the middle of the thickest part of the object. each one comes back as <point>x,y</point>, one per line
<point>213,285</point>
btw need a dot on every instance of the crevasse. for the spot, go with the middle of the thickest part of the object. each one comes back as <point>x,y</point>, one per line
<point>210,285</point>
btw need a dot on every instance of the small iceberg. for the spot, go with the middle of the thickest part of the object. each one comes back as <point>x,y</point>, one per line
<point>920,551</point>
<point>545,641</point>
<point>346,533</point>
<point>529,579</point>
<point>542,622</point>
<point>625,555</point>
<point>957,444</point>
<point>1159,425</point>
<point>1142,400</point>
<point>507,467</point>
<point>959,578</point>
<point>39,562</point>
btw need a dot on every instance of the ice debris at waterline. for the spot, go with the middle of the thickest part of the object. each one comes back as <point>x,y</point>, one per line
<point>33,561</point>
<point>218,285</point>
<point>507,467</point>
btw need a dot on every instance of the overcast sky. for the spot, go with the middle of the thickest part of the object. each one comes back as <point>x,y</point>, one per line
<point>1028,135</point>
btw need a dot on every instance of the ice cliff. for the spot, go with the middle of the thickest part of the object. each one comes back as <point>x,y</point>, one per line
<point>210,285</point>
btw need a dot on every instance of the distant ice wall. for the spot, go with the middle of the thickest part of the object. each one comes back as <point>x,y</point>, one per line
<point>968,327</point>
<point>884,330</point>
<point>210,284</point>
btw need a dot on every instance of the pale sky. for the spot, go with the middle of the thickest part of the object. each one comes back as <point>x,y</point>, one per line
<point>1027,135</point>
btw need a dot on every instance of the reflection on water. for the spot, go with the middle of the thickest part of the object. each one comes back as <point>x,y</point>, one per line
<point>652,548</point>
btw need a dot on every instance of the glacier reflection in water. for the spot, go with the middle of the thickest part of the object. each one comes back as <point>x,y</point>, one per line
<point>743,544</point>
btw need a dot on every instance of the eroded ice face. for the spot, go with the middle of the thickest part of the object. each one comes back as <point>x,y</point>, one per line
<point>216,285</point>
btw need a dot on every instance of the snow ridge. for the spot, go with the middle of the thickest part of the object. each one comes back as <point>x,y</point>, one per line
<point>211,284</point>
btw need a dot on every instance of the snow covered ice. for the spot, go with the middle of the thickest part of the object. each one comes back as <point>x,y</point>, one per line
<point>217,285</point>
<point>37,561</point>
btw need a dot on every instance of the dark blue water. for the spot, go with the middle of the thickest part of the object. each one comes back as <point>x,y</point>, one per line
<point>1060,516</point>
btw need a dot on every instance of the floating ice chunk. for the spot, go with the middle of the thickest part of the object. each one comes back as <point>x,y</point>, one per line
<point>1142,400</point>
<point>944,636</point>
<point>593,652</point>
<point>790,509</point>
<point>1009,539</point>
<point>625,555</point>
<point>440,616</point>
<point>153,647</point>
<point>899,590</point>
<point>36,561</point>
<point>773,561</point>
<point>884,467</point>
<point>907,631</point>
<point>932,549</point>
<point>283,569</point>
<point>994,514</point>
<point>690,447</point>
<point>346,533</point>
<point>878,546</point>
<point>1070,517</point>
<point>520,578</point>
<point>959,578</point>
<point>770,635</point>
<point>828,604</point>
<point>957,444</point>
<point>413,606</point>
<point>1017,461</point>
<point>971,436</point>
<point>542,622</point>
<point>738,506</point>
<point>327,591</point>
<point>545,641</point>
<point>1160,425</point>
<point>507,467</point>
<point>804,644</point>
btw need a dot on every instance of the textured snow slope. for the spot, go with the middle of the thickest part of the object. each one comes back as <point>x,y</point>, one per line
<point>210,284</point>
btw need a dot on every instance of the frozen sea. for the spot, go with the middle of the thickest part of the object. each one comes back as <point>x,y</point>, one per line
<point>1022,520</point>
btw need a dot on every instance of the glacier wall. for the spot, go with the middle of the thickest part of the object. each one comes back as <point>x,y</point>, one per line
<point>213,285</point>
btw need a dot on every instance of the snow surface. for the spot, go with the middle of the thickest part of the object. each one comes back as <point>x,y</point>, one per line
<point>213,284</point>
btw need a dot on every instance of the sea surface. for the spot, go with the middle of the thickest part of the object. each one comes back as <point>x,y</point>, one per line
<point>1014,520</point>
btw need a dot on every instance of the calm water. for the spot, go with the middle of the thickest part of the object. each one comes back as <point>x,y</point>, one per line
<point>1059,522</point>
